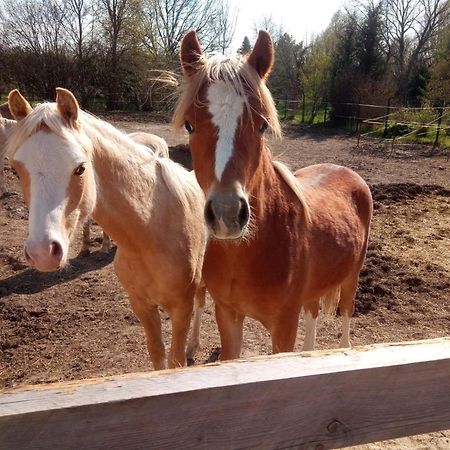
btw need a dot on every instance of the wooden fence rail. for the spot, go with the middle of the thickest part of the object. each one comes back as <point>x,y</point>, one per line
<point>318,400</point>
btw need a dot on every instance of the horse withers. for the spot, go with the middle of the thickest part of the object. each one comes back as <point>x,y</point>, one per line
<point>72,165</point>
<point>281,242</point>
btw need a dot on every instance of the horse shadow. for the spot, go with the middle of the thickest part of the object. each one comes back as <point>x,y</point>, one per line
<point>32,281</point>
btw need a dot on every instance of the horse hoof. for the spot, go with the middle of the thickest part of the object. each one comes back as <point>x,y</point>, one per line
<point>190,361</point>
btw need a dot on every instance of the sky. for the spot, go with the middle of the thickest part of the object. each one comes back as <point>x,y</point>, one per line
<point>301,18</point>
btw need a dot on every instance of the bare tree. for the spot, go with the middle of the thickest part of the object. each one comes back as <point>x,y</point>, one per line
<point>269,24</point>
<point>410,27</point>
<point>120,22</point>
<point>34,25</point>
<point>82,34</point>
<point>225,25</point>
<point>166,22</point>
<point>34,31</point>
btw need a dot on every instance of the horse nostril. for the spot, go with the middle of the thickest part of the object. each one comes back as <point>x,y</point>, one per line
<point>244,213</point>
<point>56,249</point>
<point>209,213</point>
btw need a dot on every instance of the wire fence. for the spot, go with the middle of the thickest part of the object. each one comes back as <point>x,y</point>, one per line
<point>393,124</point>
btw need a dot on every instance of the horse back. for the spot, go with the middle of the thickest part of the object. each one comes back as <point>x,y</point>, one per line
<point>335,190</point>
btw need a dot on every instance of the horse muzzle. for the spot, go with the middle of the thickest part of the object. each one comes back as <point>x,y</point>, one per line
<point>45,256</point>
<point>227,215</point>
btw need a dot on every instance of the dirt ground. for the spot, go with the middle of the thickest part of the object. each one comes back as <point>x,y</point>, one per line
<point>77,323</point>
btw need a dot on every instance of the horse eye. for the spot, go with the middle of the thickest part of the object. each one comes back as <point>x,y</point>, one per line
<point>263,126</point>
<point>79,170</point>
<point>14,171</point>
<point>189,127</point>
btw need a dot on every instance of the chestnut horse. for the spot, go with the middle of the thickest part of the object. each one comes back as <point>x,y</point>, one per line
<point>72,165</point>
<point>280,242</point>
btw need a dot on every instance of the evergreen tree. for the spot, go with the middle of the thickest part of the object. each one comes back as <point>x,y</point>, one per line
<point>245,47</point>
<point>290,57</point>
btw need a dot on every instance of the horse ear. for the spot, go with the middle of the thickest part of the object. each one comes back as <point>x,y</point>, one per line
<point>6,126</point>
<point>262,56</point>
<point>67,106</point>
<point>18,106</point>
<point>190,53</point>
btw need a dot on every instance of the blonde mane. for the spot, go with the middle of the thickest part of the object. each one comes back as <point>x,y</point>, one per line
<point>93,132</point>
<point>236,73</point>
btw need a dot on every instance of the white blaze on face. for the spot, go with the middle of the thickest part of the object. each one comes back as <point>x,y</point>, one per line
<point>226,107</point>
<point>50,162</point>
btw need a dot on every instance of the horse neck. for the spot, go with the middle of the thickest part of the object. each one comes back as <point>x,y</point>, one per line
<point>125,178</point>
<point>265,189</point>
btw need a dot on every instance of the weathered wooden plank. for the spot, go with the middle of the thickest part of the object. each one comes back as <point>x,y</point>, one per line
<point>317,400</point>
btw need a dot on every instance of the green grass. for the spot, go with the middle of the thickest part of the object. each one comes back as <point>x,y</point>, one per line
<point>295,115</point>
<point>427,136</point>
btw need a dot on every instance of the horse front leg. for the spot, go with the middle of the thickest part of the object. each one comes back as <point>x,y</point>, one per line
<point>283,332</point>
<point>180,316</point>
<point>311,314</point>
<point>230,324</point>
<point>150,319</point>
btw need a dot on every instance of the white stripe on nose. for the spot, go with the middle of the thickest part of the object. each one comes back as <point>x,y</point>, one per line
<point>226,107</point>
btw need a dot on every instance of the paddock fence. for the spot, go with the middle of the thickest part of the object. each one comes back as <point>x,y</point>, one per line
<point>316,400</point>
<point>389,124</point>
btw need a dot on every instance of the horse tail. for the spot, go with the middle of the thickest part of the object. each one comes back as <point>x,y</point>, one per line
<point>161,149</point>
<point>330,301</point>
<point>155,143</point>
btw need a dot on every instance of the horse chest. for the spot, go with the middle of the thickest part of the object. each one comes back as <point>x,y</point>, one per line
<point>241,278</point>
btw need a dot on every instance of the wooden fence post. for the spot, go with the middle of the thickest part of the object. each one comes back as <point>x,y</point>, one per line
<point>387,112</point>
<point>285,107</point>
<point>325,112</point>
<point>394,134</point>
<point>436,140</point>
<point>303,108</point>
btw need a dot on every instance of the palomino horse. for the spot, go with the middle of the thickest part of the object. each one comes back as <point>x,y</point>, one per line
<point>153,142</point>
<point>281,243</point>
<point>72,165</point>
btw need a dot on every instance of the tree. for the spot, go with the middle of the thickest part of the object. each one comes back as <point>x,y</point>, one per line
<point>246,47</point>
<point>370,51</point>
<point>268,23</point>
<point>167,21</point>
<point>119,20</point>
<point>315,75</point>
<point>290,57</point>
<point>83,41</point>
<point>439,86</point>
<point>410,27</point>
<point>226,26</point>
<point>34,43</point>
